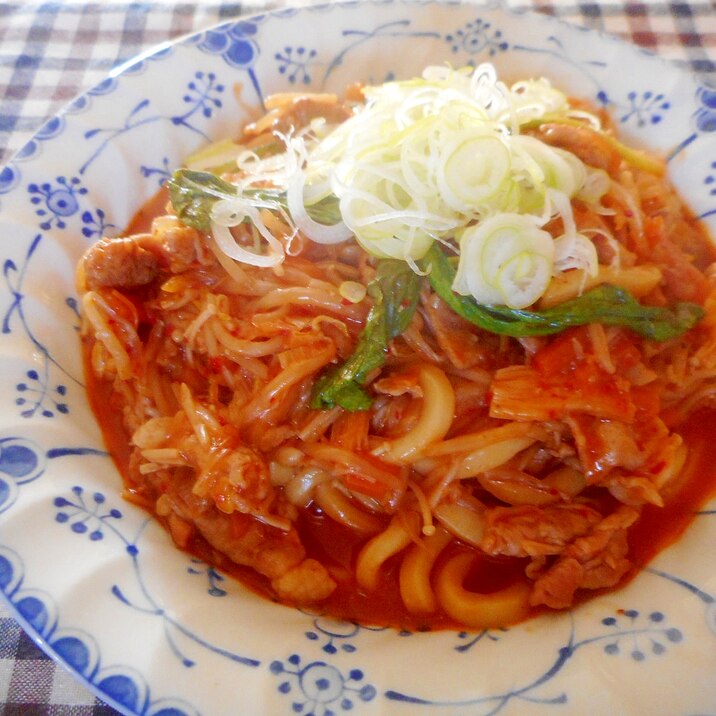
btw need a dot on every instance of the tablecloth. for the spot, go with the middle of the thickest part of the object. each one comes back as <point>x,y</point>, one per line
<point>52,51</point>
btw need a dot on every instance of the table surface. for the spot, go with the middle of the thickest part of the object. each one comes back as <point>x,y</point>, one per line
<point>52,51</point>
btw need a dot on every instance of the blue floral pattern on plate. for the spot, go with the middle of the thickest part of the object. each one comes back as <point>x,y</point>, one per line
<point>207,645</point>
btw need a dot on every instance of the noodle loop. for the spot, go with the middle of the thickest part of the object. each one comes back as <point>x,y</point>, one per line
<point>476,610</point>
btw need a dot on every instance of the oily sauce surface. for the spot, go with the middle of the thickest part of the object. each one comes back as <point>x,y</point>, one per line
<point>658,527</point>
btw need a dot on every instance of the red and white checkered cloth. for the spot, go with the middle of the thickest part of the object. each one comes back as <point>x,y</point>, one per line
<point>50,51</point>
<point>32,684</point>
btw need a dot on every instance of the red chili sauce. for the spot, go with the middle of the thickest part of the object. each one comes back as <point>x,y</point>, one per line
<point>337,546</point>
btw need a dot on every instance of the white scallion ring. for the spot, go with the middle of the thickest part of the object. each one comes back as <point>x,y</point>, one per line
<point>315,231</point>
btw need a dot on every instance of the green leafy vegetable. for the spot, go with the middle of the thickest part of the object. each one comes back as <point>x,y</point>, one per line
<point>606,304</point>
<point>396,289</point>
<point>194,193</point>
<point>395,292</point>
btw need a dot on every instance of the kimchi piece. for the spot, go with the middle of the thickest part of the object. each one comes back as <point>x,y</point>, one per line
<point>425,354</point>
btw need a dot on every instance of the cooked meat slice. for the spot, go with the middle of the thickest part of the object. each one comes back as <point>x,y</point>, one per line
<point>119,263</point>
<point>594,561</point>
<point>132,261</point>
<point>557,586</point>
<point>682,280</point>
<point>458,338</point>
<point>604,444</point>
<point>399,383</point>
<point>293,112</point>
<point>231,504</point>
<point>528,531</point>
<point>590,146</point>
<point>305,583</point>
<point>277,554</point>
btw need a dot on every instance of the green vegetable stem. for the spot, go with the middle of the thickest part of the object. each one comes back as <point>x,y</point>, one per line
<point>194,193</point>
<point>606,304</point>
<point>396,288</point>
<point>395,292</point>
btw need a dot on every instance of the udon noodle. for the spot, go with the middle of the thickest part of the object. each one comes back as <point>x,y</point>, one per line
<point>296,396</point>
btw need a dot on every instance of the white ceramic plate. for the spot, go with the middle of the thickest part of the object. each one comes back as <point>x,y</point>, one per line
<point>99,585</point>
